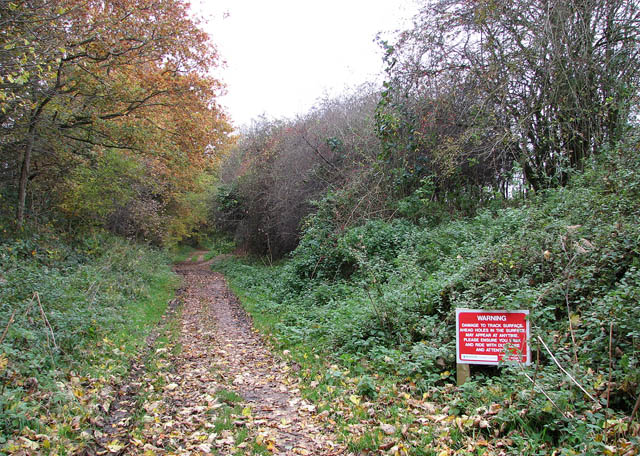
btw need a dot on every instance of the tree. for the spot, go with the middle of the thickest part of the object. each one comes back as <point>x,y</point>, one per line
<point>278,168</point>
<point>128,75</point>
<point>544,83</point>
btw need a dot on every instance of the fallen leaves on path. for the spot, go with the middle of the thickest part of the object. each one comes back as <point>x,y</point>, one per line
<point>187,412</point>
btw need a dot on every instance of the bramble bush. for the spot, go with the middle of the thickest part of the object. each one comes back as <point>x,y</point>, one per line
<point>386,292</point>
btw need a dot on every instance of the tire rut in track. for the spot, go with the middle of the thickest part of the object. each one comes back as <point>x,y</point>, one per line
<point>221,350</point>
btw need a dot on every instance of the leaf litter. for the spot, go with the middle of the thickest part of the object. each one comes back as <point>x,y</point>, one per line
<point>182,398</point>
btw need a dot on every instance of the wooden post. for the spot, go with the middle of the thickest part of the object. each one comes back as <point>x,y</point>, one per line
<point>462,373</point>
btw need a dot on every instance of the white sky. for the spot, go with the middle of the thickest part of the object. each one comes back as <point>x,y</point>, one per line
<point>282,55</point>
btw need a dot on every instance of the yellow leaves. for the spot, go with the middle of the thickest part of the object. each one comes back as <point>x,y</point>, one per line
<point>136,442</point>
<point>176,123</point>
<point>399,450</point>
<point>246,412</point>
<point>160,364</point>
<point>115,446</point>
<point>615,426</point>
<point>463,422</point>
<point>265,439</point>
<point>29,444</point>
<point>354,399</point>
<point>4,362</point>
<point>575,319</point>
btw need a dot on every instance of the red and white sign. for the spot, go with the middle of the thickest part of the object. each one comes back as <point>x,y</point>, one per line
<point>492,336</point>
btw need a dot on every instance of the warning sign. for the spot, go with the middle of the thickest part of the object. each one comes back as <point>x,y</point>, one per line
<point>492,336</point>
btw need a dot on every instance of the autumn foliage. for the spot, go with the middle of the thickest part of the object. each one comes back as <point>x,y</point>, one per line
<point>276,172</point>
<point>114,94</point>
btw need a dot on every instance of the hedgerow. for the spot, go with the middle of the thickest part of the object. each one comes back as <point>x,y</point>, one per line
<point>385,292</point>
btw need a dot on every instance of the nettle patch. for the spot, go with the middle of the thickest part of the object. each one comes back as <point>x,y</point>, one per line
<point>379,301</point>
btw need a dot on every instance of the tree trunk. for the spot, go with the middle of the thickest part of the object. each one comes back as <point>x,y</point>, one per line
<point>24,173</point>
<point>26,160</point>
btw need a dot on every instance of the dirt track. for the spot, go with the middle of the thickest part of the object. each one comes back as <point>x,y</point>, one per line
<point>220,350</point>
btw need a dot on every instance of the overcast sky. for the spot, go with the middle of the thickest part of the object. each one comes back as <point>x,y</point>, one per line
<point>282,55</point>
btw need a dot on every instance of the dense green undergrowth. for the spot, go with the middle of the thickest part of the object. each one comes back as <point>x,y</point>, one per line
<point>73,313</point>
<point>379,301</point>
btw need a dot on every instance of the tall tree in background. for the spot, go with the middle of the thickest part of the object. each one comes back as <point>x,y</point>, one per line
<point>541,84</point>
<point>277,170</point>
<point>80,77</point>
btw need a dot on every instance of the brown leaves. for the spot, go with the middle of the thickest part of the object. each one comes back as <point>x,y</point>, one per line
<point>130,76</point>
<point>194,401</point>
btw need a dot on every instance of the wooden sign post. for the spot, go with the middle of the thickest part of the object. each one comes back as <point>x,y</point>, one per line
<point>490,337</point>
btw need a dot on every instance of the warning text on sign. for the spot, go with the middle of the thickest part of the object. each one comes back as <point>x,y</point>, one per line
<point>491,337</point>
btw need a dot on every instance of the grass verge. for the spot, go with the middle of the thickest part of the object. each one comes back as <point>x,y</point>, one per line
<point>81,312</point>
